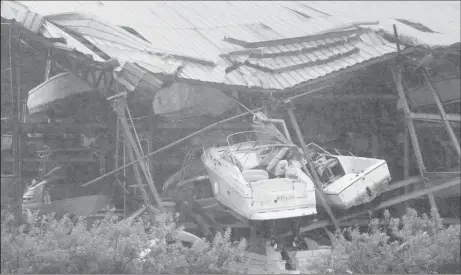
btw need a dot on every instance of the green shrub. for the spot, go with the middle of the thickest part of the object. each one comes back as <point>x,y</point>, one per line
<point>51,246</point>
<point>414,244</point>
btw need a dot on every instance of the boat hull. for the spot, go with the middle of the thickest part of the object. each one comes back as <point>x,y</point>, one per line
<point>354,188</point>
<point>80,206</point>
<point>261,200</point>
<point>55,91</point>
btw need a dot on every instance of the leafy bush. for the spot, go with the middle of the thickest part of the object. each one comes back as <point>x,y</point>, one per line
<point>110,246</point>
<point>414,244</point>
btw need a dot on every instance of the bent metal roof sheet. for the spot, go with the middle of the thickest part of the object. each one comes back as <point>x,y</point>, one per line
<point>269,45</point>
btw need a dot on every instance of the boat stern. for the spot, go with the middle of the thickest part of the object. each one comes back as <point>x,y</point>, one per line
<point>282,198</point>
<point>284,214</point>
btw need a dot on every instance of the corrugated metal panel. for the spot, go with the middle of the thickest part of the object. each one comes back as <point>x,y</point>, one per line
<point>182,41</point>
<point>197,29</point>
<point>440,16</point>
<point>369,45</point>
<point>51,31</point>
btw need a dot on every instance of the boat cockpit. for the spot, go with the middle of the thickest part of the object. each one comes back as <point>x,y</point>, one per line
<point>258,156</point>
<point>328,166</point>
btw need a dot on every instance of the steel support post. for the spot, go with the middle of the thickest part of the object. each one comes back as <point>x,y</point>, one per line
<point>397,75</point>
<point>315,176</point>
<point>119,105</point>
<point>443,114</point>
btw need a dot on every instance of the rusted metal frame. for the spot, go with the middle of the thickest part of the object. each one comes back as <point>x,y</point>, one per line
<point>313,173</point>
<point>382,205</point>
<point>118,103</point>
<point>397,75</point>
<point>446,122</point>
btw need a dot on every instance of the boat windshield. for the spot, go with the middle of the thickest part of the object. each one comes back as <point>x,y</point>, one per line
<point>314,148</point>
<point>255,140</point>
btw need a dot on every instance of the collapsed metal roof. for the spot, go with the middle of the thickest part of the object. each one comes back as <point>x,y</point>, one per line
<point>423,23</point>
<point>266,45</point>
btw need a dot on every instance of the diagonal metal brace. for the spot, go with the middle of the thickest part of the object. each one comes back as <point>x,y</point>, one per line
<point>442,112</point>
<point>118,103</point>
<point>315,177</point>
<point>397,75</point>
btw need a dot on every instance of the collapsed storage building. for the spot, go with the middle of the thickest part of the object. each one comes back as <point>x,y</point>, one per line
<point>117,88</point>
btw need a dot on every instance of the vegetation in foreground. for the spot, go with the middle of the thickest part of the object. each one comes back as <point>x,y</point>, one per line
<point>112,247</point>
<point>413,244</point>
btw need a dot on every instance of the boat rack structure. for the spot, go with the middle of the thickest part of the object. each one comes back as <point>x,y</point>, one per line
<point>101,77</point>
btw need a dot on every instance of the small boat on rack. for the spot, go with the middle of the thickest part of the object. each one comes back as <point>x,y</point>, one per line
<point>258,176</point>
<point>349,180</point>
<point>53,93</point>
<point>59,192</point>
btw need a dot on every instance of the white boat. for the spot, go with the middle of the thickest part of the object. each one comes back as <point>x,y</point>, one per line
<point>58,192</point>
<point>349,180</point>
<point>53,91</point>
<point>258,176</point>
<point>80,206</point>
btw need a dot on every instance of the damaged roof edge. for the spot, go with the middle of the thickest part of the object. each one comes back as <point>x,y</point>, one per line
<point>306,85</point>
<point>332,33</point>
<point>350,69</point>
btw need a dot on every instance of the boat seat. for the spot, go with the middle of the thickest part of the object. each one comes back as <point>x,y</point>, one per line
<point>252,175</point>
<point>327,165</point>
<point>331,163</point>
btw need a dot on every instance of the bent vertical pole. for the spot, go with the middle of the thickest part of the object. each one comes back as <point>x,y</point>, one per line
<point>406,160</point>
<point>315,177</point>
<point>443,114</point>
<point>145,196</point>
<point>118,103</point>
<point>397,75</point>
